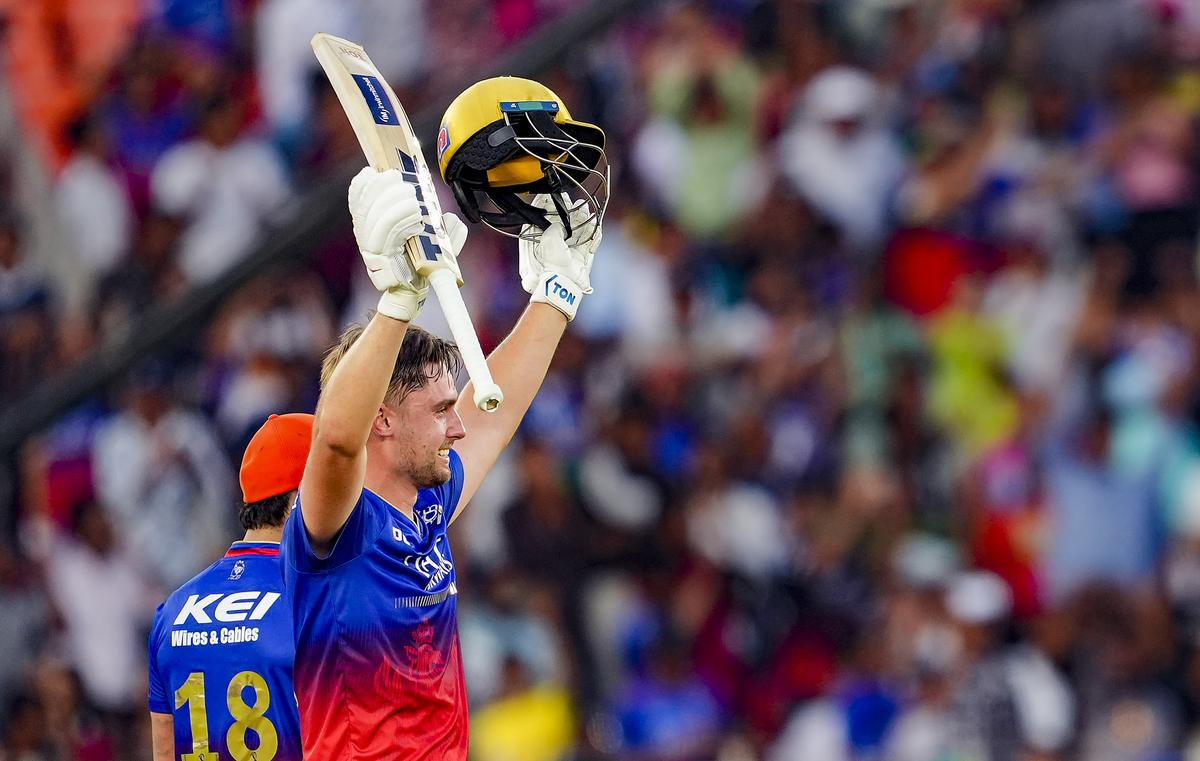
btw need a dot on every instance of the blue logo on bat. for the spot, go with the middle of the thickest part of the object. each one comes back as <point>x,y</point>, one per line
<point>431,250</point>
<point>377,99</point>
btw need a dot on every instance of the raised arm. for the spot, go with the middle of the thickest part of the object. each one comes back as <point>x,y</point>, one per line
<point>556,273</point>
<point>386,213</point>
<point>350,402</point>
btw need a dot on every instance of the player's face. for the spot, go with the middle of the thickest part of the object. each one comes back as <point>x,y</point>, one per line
<point>428,425</point>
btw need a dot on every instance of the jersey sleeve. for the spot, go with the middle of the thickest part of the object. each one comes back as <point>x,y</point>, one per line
<point>159,697</point>
<point>450,492</point>
<point>357,535</point>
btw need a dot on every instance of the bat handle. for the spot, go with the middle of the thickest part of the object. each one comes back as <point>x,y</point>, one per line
<point>487,394</point>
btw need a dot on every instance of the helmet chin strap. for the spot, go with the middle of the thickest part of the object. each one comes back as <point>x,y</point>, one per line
<point>466,203</point>
<point>556,196</point>
<point>514,212</point>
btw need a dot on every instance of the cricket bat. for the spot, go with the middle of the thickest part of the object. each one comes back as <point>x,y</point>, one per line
<point>389,142</point>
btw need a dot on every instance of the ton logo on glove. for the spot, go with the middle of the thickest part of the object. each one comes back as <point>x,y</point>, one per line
<point>560,291</point>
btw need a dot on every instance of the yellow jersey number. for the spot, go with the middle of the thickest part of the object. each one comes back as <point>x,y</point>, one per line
<point>246,717</point>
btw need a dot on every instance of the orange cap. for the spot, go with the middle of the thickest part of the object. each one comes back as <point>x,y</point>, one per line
<point>275,457</point>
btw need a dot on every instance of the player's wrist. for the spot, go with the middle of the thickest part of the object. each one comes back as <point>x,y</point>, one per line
<point>400,305</point>
<point>559,291</point>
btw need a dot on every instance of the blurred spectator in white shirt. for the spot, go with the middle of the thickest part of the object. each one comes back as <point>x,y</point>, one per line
<point>224,187</point>
<point>837,155</point>
<point>285,58</point>
<point>514,621</point>
<point>263,342</point>
<point>1037,308</point>
<point>104,602</point>
<point>160,472</point>
<point>92,203</point>
<point>758,549</point>
<point>640,312</point>
<point>378,21</point>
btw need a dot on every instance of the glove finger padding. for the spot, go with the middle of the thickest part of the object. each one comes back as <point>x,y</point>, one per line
<point>584,229</point>
<point>456,231</point>
<point>547,250</point>
<point>529,260</point>
<point>557,270</point>
<point>365,189</point>
<point>358,189</point>
<point>553,273</point>
<point>393,216</point>
<point>386,214</point>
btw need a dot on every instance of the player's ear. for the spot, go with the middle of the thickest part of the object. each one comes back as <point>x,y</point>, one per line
<point>383,425</point>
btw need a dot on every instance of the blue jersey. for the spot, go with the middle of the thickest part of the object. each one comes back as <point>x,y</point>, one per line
<point>378,668</point>
<point>221,661</point>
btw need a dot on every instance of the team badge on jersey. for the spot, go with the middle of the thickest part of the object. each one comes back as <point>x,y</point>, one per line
<point>238,568</point>
<point>423,657</point>
<point>430,514</point>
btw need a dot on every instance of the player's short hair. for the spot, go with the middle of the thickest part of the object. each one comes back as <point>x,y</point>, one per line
<point>271,512</point>
<point>423,358</point>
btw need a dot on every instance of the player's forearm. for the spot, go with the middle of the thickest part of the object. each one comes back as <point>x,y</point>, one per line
<point>162,736</point>
<point>351,398</point>
<point>333,477</point>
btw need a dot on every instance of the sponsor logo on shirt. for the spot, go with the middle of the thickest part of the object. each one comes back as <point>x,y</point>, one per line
<point>227,608</point>
<point>434,566</point>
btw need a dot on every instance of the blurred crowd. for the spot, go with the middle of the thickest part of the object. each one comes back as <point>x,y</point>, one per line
<point>878,439</point>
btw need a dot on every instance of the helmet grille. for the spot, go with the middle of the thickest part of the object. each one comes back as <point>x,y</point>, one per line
<point>568,163</point>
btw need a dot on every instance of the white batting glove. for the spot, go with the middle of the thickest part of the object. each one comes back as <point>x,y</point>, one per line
<point>557,271</point>
<point>386,214</point>
<point>456,231</point>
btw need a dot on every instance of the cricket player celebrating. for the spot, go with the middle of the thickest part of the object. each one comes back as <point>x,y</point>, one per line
<point>396,457</point>
<point>221,646</point>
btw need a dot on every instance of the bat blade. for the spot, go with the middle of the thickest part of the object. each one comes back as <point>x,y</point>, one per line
<point>388,142</point>
<point>387,139</point>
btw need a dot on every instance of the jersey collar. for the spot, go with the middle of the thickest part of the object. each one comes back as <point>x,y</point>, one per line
<point>242,549</point>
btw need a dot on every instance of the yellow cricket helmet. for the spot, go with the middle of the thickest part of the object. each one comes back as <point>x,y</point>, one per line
<point>506,140</point>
